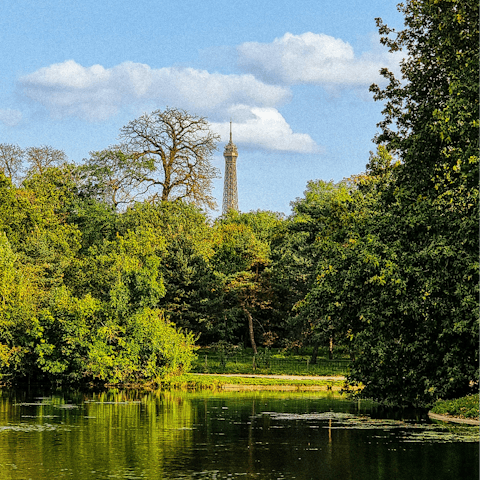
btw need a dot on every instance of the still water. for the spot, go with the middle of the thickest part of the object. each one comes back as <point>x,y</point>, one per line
<point>261,435</point>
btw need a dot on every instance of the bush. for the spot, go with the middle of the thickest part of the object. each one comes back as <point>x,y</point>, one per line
<point>148,347</point>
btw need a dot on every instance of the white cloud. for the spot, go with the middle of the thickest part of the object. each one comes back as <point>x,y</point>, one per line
<point>10,117</point>
<point>266,128</point>
<point>96,93</point>
<point>314,59</point>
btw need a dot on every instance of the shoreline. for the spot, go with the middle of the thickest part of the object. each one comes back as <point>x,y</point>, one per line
<point>450,418</point>
<point>277,377</point>
<point>288,382</point>
<point>284,388</point>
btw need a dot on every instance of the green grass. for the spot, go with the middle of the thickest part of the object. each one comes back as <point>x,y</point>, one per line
<point>191,381</point>
<point>267,363</point>
<point>465,407</point>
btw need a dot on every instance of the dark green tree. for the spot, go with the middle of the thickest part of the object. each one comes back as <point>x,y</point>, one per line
<point>422,344</point>
<point>305,241</point>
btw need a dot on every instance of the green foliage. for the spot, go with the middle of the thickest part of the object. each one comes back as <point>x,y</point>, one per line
<point>398,272</point>
<point>193,290</point>
<point>144,347</point>
<point>114,176</point>
<point>465,407</point>
<point>241,257</point>
<point>19,298</point>
<point>75,313</point>
<point>310,238</point>
<point>124,272</point>
<point>66,324</point>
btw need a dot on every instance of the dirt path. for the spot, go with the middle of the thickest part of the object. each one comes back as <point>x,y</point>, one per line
<point>278,377</point>
<point>449,418</point>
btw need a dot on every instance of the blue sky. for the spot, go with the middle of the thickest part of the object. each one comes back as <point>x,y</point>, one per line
<point>292,75</point>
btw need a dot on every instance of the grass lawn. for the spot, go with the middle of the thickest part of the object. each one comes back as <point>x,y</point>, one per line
<point>267,362</point>
<point>194,381</point>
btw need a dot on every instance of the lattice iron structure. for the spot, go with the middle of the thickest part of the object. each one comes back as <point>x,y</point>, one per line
<point>230,194</point>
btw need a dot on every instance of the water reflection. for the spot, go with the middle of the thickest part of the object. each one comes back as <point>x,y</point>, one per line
<point>265,435</point>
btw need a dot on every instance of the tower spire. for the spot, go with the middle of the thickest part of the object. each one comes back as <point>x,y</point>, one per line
<point>230,195</point>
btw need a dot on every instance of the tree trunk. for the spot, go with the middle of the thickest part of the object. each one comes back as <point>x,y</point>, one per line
<point>250,330</point>
<point>313,360</point>
<point>330,349</point>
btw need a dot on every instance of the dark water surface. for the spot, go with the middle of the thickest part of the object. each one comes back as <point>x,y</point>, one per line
<point>263,435</point>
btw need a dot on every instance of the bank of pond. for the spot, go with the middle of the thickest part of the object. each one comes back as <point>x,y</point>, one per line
<point>207,434</point>
<point>465,409</point>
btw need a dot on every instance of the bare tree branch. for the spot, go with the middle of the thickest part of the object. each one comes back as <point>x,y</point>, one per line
<point>11,160</point>
<point>117,176</point>
<point>40,158</point>
<point>179,147</point>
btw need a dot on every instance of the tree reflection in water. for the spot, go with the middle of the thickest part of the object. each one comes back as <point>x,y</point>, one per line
<point>132,434</point>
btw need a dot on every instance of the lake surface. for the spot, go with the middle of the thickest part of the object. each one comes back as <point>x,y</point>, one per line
<point>262,435</point>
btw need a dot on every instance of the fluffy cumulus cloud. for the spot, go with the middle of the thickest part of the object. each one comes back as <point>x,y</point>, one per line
<point>313,58</point>
<point>10,117</point>
<point>96,93</point>
<point>252,99</point>
<point>266,128</point>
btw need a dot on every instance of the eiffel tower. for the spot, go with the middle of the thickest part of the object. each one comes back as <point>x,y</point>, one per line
<point>230,195</point>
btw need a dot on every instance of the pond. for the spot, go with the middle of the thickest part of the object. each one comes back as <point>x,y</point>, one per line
<point>224,435</point>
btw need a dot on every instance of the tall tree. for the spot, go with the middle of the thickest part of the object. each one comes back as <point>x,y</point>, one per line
<point>242,254</point>
<point>193,296</point>
<point>313,229</point>
<point>422,343</point>
<point>174,149</point>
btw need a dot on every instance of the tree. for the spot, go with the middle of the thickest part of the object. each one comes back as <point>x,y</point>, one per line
<point>41,158</point>
<point>38,159</point>
<point>72,312</point>
<point>314,228</point>
<point>241,257</point>
<point>173,150</point>
<point>114,176</point>
<point>422,344</point>
<point>11,160</point>
<point>19,300</point>
<point>194,295</point>
<point>251,285</point>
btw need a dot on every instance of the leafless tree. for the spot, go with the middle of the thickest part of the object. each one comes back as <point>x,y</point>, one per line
<point>175,150</point>
<point>11,161</point>
<point>40,158</point>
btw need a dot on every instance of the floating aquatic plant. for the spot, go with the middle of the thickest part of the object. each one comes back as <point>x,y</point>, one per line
<point>407,431</point>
